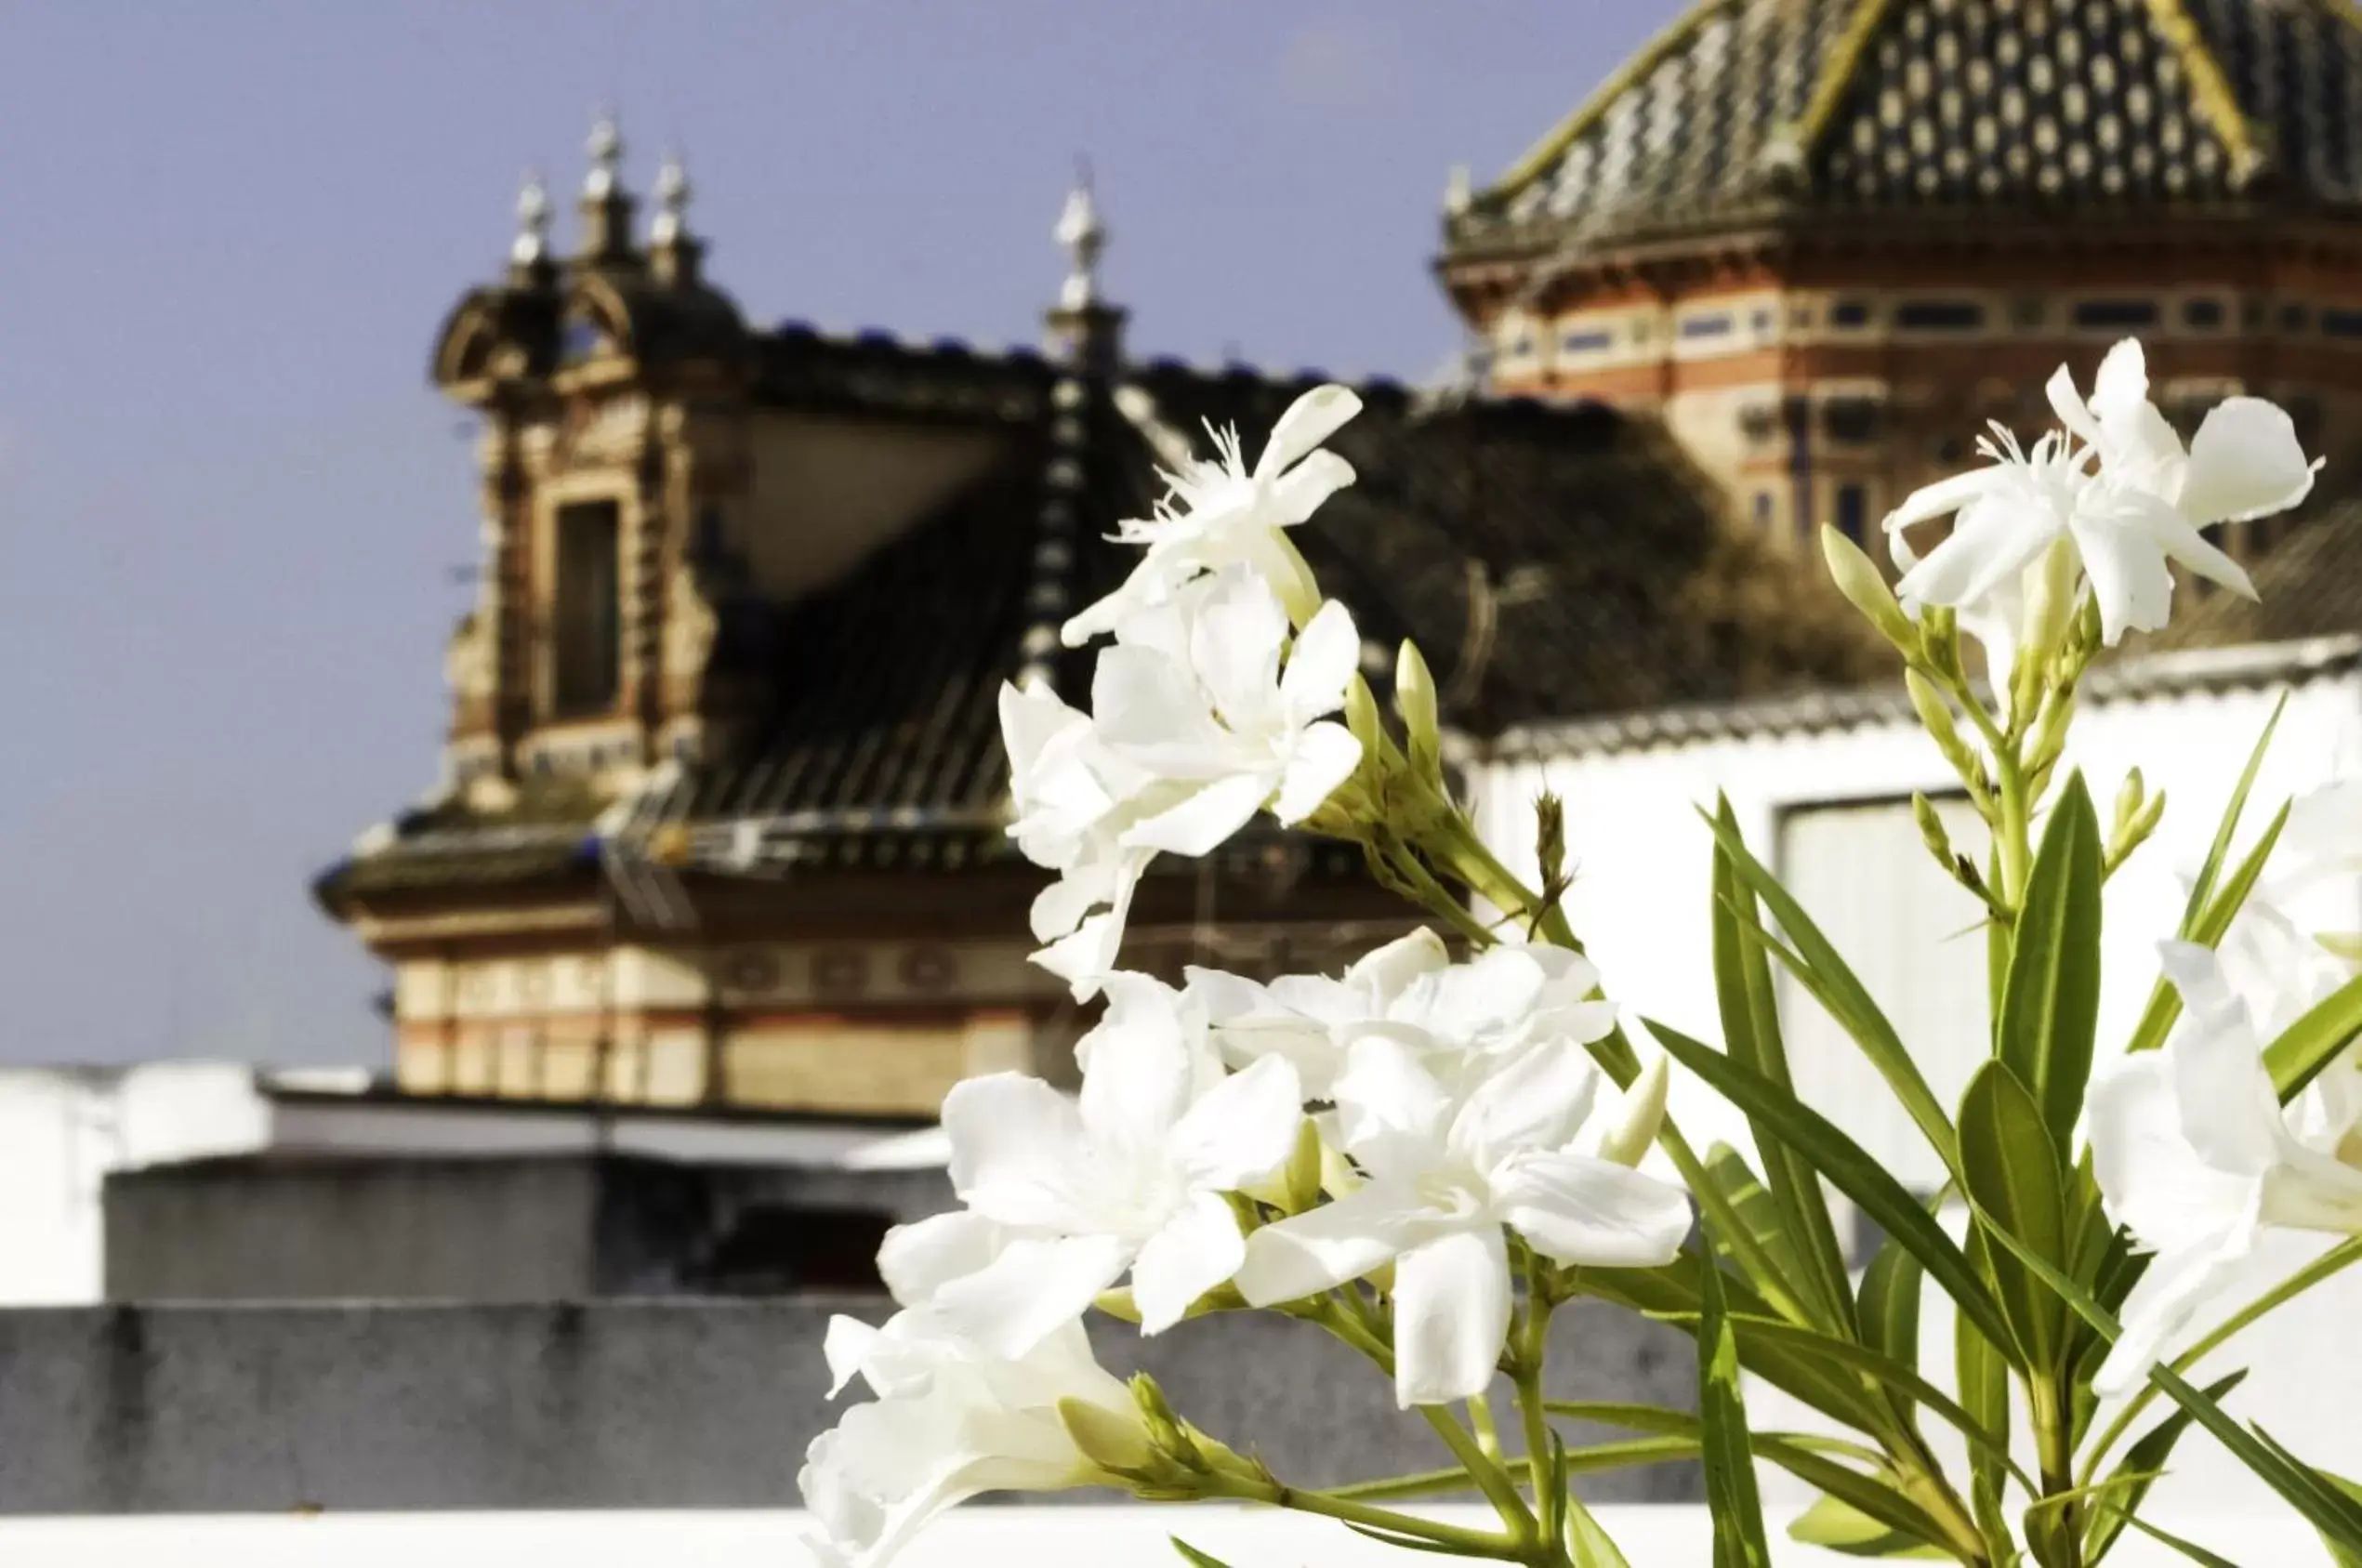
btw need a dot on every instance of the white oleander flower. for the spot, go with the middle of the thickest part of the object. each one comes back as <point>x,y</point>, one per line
<point>1446,1173</point>
<point>1217,512</point>
<point>2275,958</point>
<point>1131,1177</point>
<point>1194,694</point>
<point>1075,800</point>
<point>2117,486</point>
<point>950,1420</point>
<point>2196,1157</point>
<point>1410,991</point>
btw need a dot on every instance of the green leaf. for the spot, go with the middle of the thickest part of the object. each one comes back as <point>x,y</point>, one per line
<point>1761,1238</point>
<point>1851,1171</point>
<point>2313,1041</point>
<point>1730,1459</point>
<point>1407,1543</point>
<point>2187,1548</point>
<point>1890,1303</point>
<point>1803,1456</point>
<point>1195,1557</point>
<point>1586,1542</point>
<point>1817,967</point>
<point>2013,1175</point>
<point>1748,1005</point>
<point>1991,1440</point>
<point>1983,1370</point>
<point>1841,1527</point>
<point>2138,1470</point>
<point>2345,1558</point>
<point>1984,1504</point>
<point>2338,1518</point>
<point>2051,1001</point>
<point>1670,1292</point>
<point>1741,1222</point>
<point>2202,890</point>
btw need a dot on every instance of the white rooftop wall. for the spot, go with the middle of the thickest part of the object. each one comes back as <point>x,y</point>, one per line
<point>1641,904</point>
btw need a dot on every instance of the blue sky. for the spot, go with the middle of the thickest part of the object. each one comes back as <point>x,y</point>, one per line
<point>232,508</point>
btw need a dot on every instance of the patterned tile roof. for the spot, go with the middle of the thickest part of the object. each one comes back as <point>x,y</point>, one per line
<point>1550,561</point>
<point>2305,588</point>
<point>1754,111</point>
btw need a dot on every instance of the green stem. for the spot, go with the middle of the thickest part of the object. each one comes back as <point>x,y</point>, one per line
<point>1491,1478</point>
<point>2015,835</point>
<point>2052,1444</point>
<point>1531,1347</point>
<point>1480,1421</point>
<point>1457,1537</point>
<point>1432,895</point>
<point>1426,1484</point>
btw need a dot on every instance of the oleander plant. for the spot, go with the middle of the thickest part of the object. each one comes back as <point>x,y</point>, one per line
<point>1426,1156</point>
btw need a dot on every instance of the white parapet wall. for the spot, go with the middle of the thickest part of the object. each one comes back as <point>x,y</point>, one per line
<point>981,1536</point>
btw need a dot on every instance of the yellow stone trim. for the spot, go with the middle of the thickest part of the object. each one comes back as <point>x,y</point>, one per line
<point>2209,87</point>
<point>1837,73</point>
<point>1562,136</point>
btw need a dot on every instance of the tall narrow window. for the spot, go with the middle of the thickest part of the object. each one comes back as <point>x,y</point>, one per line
<point>1852,512</point>
<point>586,614</point>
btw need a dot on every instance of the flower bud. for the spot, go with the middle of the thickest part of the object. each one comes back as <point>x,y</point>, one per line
<point>2129,799</point>
<point>1415,700</point>
<point>1936,717</point>
<point>1301,1179</point>
<point>1932,830</point>
<point>1639,1119</point>
<point>1858,578</point>
<point>2050,730</point>
<point>1164,1429</point>
<point>1361,717</point>
<point>1291,579</point>
<point>1550,838</point>
<point>2050,603</point>
<point>1118,1444</point>
<point>1940,636</point>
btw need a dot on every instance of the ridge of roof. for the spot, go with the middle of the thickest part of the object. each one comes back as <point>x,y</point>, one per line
<point>1836,74</point>
<point>1539,158</point>
<point>2149,675</point>
<point>2209,86</point>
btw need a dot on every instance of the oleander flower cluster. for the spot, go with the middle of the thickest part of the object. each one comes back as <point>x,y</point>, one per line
<point>1212,704</point>
<point>1424,1154</point>
<point>1234,1143</point>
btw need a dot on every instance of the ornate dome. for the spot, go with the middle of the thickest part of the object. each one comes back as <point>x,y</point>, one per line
<point>1746,111</point>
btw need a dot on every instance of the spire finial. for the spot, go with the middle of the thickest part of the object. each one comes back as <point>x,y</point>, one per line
<point>1459,191</point>
<point>1084,236</point>
<point>531,246</point>
<point>606,148</point>
<point>673,191</point>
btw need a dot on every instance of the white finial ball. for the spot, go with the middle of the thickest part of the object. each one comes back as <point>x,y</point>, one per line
<point>606,147</point>
<point>533,223</point>
<point>673,191</point>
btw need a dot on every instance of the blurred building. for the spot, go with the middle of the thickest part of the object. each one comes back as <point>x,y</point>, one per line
<point>193,1181</point>
<point>720,815</point>
<point>1825,240</point>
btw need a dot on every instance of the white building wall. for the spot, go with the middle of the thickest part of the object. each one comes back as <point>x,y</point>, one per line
<point>61,1131</point>
<point>1641,904</point>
